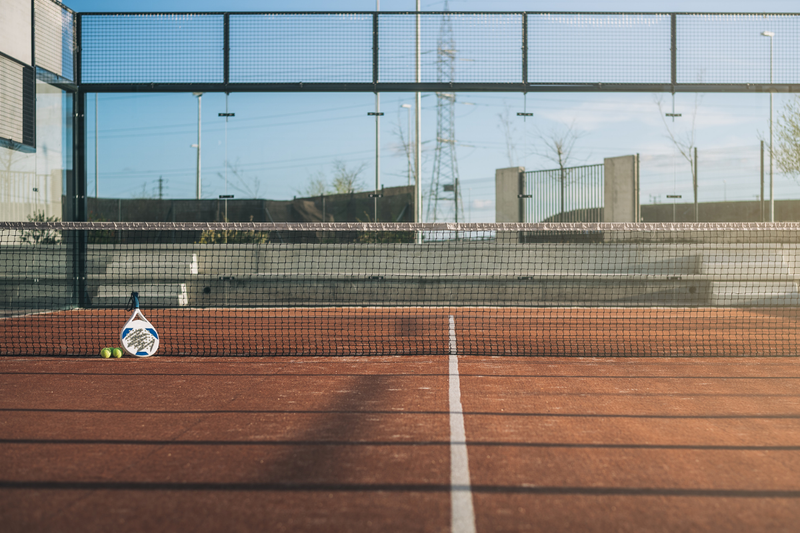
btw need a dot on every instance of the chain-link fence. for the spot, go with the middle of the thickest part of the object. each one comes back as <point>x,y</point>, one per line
<point>493,51</point>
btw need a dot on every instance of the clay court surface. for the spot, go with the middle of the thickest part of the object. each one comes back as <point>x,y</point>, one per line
<point>364,444</point>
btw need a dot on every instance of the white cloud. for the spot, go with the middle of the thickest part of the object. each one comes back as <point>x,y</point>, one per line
<point>483,204</point>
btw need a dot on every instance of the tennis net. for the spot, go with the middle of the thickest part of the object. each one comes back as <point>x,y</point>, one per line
<point>359,289</point>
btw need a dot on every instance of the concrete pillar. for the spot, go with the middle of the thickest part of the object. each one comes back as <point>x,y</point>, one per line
<point>621,202</point>
<point>508,204</point>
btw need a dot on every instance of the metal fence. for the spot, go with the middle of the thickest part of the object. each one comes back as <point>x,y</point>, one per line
<point>17,103</point>
<point>494,51</point>
<point>572,194</point>
<point>55,36</point>
<point>53,61</point>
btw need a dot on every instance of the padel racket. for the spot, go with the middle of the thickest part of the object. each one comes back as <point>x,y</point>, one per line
<point>138,336</point>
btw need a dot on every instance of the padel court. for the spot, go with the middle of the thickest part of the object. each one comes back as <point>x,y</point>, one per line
<point>372,444</point>
<point>570,376</point>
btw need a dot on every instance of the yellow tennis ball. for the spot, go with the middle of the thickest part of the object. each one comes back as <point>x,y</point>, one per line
<point>105,353</point>
<point>117,353</point>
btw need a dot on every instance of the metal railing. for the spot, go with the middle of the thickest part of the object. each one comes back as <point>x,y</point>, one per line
<point>572,194</point>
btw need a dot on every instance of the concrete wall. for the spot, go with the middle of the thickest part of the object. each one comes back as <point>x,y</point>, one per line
<point>621,274</point>
<point>785,211</point>
<point>396,205</point>
<point>621,203</point>
<point>747,211</point>
<point>15,29</point>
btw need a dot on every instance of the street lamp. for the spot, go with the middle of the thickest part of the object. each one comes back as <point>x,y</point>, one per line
<point>378,114</point>
<point>771,184</point>
<point>227,115</point>
<point>418,127</point>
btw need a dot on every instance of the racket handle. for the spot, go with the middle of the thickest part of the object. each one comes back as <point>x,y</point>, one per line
<point>135,300</point>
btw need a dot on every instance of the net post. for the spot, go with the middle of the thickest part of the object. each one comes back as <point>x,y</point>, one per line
<point>375,54</point>
<point>79,210</point>
<point>80,207</point>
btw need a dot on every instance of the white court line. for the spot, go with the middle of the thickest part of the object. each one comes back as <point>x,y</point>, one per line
<point>22,315</point>
<point>462,512</point>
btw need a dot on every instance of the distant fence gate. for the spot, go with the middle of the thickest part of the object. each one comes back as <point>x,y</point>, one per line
<point>572,194</point>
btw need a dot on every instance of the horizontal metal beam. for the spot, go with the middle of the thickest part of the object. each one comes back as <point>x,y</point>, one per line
<point>438,87</point>
<point>481,13</point>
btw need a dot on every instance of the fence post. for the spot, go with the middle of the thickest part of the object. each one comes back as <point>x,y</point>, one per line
<point>226,38</point>
<point>523,196</point>
<point>525,51</point>
<point>507,191</point>
<point>621,189</point>
<point>673,23</point>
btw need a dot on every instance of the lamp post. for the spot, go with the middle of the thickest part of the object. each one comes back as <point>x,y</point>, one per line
<point>377,114</point>
<point>674,197</point>
<point>199,145</point>
<point>771,183</point>
<point>418,127</point>
<point>227,115</point>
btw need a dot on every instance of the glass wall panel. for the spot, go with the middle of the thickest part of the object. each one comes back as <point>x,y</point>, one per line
<point>33,185</point>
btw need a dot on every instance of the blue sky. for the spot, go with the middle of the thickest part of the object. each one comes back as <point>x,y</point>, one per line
<point>281,141</point>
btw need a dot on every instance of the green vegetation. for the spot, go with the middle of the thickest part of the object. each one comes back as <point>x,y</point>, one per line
<point>345,181</point>
<point>41,236</point>
<point>100,236</point>
<point>234,237</point>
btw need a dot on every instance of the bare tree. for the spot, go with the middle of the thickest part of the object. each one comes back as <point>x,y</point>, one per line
<point>684,141</point>
<point>317,185</point>
<point>143,194</point>
<point>558,146</point>
<point>345,180</point>
<point>249,186</point>
<point>787,130</point>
